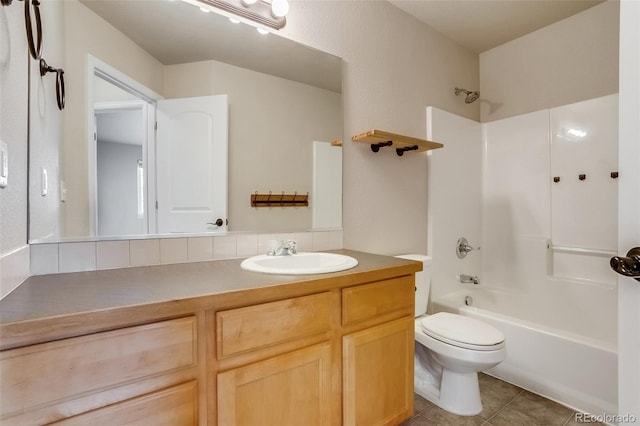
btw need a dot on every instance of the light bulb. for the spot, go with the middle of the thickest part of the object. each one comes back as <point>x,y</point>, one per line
<point>262,31</point>
<point>202,9</point>
<point>234,20</point>
<point>248,2</point>
<point>279,8</point>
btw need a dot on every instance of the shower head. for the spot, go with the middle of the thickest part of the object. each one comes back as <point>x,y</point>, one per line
<point>471,96</point>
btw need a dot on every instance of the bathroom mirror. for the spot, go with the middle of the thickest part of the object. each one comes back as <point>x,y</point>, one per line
<point>283,99</point>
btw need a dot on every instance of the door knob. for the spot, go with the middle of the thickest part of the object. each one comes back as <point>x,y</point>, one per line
<point>218,222</point>
<point>628,265</point>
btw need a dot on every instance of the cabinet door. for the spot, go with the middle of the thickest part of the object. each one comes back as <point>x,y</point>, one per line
<point>378,374</point>
<point>290,389</point>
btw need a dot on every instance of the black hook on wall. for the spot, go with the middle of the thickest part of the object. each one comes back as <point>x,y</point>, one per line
<point>46,68</point>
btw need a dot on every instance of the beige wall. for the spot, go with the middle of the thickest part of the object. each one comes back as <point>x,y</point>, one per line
<point>394,67</point>
<point>86,33</point>
<point>272,124</point>
<point>14,72</point>
<point>13,125</point>
<point>570,61</point>
<point>45,131</point>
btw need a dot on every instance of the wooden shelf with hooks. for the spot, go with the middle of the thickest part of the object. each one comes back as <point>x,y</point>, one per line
<point>380,138</point>
<point>279,200</point>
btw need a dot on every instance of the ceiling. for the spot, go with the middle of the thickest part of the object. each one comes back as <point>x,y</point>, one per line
<point>480,25</point>
<point>175,32</point>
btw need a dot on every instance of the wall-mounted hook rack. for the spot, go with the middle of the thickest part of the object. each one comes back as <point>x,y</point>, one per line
<point>281,200</point>
<point>379,138</point>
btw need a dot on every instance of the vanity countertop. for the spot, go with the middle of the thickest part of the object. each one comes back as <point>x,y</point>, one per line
<point>48,307</point>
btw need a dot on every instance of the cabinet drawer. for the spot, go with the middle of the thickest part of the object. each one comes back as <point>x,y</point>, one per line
<point>49,372</point>
<point>168,407</point>
<point>253,327</point>
<point>367,301</point>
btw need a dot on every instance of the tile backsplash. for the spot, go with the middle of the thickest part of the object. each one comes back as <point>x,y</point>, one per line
<point>53,258</point>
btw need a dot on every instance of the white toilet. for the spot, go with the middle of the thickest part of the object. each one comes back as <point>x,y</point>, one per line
<point>450,350</point>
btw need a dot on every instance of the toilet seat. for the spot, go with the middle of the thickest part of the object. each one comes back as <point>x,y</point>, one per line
<point>462,331</point>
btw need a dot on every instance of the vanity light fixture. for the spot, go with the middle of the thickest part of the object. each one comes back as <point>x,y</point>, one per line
<point>261,14</point>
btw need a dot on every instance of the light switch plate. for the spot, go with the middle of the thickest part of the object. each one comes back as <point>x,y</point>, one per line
<point>4,165</point>
<point>45,182</point>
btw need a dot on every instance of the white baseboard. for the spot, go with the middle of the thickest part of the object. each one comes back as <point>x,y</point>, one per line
<point>14,269</point>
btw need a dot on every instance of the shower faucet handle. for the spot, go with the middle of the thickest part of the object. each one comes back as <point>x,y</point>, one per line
<point>463,248</point>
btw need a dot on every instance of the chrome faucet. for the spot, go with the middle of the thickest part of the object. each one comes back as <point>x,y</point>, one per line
<point>468,279</point>
<point>285,248</point>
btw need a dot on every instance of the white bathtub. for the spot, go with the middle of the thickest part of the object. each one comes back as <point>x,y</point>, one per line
<point>564,365</point>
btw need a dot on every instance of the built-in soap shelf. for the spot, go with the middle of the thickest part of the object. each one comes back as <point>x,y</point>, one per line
<point>402,144</point>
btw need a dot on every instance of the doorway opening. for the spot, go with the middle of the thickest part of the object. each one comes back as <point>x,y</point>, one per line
<point>121,153</point>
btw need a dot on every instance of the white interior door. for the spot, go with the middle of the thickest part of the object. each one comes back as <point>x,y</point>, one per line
<point>191,170</point>
<point>629,213</point>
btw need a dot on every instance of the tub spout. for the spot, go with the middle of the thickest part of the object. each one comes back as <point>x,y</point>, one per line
<point>464,279</point>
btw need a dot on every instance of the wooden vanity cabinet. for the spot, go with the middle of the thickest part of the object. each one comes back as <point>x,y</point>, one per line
<point>275,364</point>
<point>378,353</point>
<point>340,357</point>
<point>340,354</point>
<point>114,377</point>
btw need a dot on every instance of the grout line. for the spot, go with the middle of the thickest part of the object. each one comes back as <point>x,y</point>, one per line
<point>571,416</point>
<point>505,405</point>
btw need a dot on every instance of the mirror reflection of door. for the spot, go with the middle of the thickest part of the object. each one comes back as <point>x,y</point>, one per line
<point>120,169</point>
<point>191,152</point>
<point>160,166</point>
<point>121,134</point>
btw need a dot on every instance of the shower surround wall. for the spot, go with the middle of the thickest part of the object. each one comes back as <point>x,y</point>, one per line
<point>570,223</point>
<point>549,242</point>
<point>544,245</point>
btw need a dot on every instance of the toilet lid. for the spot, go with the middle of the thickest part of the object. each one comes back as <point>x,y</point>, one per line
<point>461,331</point>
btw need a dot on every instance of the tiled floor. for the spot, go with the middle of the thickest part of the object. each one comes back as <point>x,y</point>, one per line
<point>503,405</point>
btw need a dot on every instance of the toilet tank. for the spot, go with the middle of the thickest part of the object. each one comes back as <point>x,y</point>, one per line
<point>423,281</point>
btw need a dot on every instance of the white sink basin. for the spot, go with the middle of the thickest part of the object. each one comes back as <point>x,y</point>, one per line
<point>300,263</point>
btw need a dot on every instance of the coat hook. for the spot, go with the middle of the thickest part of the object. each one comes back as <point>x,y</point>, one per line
<point>582,176</point>
<point>556,179</point>
<point>376,146</point>
<point>614,175</point>
<point>400,151</point>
